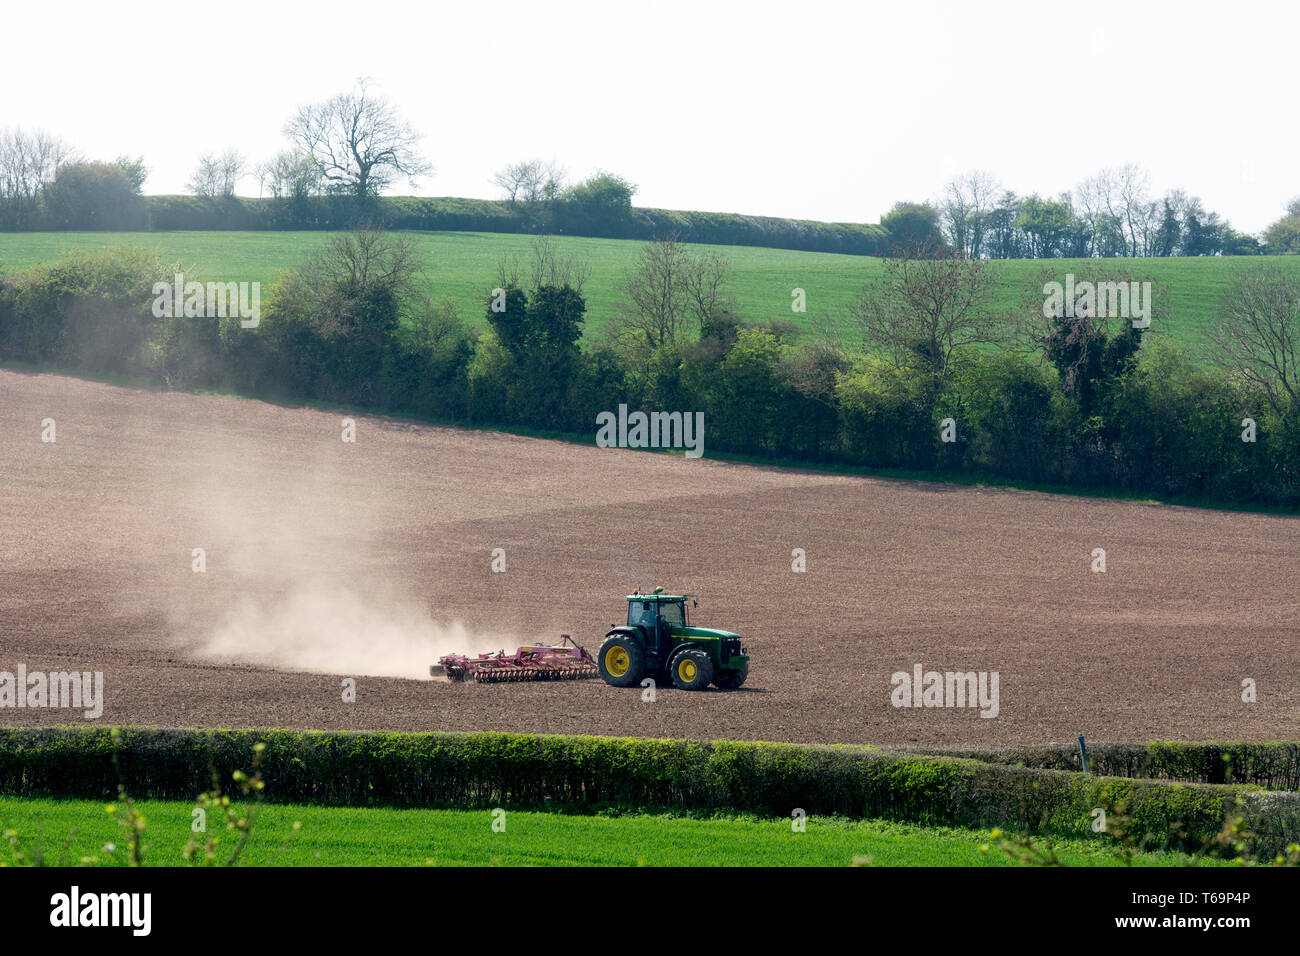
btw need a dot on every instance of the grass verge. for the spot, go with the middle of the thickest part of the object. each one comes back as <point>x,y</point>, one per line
<point>76,831</point>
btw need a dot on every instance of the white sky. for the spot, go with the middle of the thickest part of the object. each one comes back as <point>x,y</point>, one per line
<point>808,109</point>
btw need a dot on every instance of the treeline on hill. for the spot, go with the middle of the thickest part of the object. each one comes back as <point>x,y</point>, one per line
<point>934,383</point>
<point>1108,215</point>
<point>345,153</point>
<point>105,196</point>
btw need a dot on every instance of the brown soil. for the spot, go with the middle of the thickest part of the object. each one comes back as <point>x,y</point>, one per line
<point>396,532</point>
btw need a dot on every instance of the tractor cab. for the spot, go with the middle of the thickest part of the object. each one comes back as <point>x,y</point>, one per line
<point>650,610</point>
<point>655,615</point>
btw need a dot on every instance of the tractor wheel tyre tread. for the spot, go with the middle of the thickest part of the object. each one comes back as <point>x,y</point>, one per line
<point>631,661</point>
<point>698,667</point>
<point>730,680</point>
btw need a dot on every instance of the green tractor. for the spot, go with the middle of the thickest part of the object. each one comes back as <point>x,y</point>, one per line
<point>658,639</point>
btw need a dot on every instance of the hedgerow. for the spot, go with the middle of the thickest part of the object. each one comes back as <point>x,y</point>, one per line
<point>454,214</point>
<point>579,773</point>
<point>1274,765</point>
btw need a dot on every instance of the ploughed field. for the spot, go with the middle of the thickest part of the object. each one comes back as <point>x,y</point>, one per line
<point>325,560</point>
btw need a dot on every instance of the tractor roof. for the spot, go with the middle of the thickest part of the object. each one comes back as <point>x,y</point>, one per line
<point>657,597</point>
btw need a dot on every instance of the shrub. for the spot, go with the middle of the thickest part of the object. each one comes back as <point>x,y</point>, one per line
<point>91,310</point>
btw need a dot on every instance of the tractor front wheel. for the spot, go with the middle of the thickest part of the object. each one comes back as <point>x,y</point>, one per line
<point>621,661</point>
<point>730,680</point>
<point>691,669</point>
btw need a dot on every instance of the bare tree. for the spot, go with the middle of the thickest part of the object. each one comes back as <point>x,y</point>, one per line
<point>551,268</point>
<point>1118,197</point>
<point>547,266</point>
<point>1139,211</point>
<point>508,271</point>
<point>964,209</point>
<point>1091,199</point>
<point>530,181</point>
<point>551,184</point>
<point>218,174</point>
<point>703,282</point>
<point>359,142</point>
<point>1258,336</point>
<point>515,178</point>
<point>29,161</point>
<point>669,288</point>
<point>924,308</point>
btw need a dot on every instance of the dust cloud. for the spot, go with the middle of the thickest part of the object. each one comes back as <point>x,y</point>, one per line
<point>341,632</point>
<point>299,573</point>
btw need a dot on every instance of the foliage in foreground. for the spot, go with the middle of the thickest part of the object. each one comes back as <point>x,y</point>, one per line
<point>348,836</point>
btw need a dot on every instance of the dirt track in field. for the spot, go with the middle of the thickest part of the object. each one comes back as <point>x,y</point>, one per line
<point>326,559</point>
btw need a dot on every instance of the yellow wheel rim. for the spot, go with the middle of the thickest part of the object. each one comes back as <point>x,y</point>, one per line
<point>617,661</point>
<point>686,669</point>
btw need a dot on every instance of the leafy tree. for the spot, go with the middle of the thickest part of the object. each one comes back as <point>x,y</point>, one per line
<point>291,175</point>
<point>1283,236</point>
<point>1003,241</point>
<point>912,226</point>
<point>334,322</point>
<point>887,413</point>
<point>1170,232</point>
<point>1089,357</point>
<point>136,171</point>
<point>1174,420</point>
<point>602,196</point>
<point>748,397</point>
<point>1047,224</point>
<point>1081,343</point>
<point>538,333</point>
<point>1202,231</point>
<point>94,196</point>
<point>1236,243</point>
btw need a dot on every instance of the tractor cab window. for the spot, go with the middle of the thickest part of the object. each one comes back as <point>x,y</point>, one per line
<point>671,613</point>
<point>641,614</point>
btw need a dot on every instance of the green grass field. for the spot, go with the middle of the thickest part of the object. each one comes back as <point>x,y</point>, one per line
<point>67,832</point>
<point>463,265</point>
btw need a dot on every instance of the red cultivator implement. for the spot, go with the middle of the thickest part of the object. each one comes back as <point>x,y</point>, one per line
<point>566,661</point>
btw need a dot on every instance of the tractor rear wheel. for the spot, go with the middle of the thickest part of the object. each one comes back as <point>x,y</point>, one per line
<point>621,661</point>
<point>691,669</point>
<point>730,680</point>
